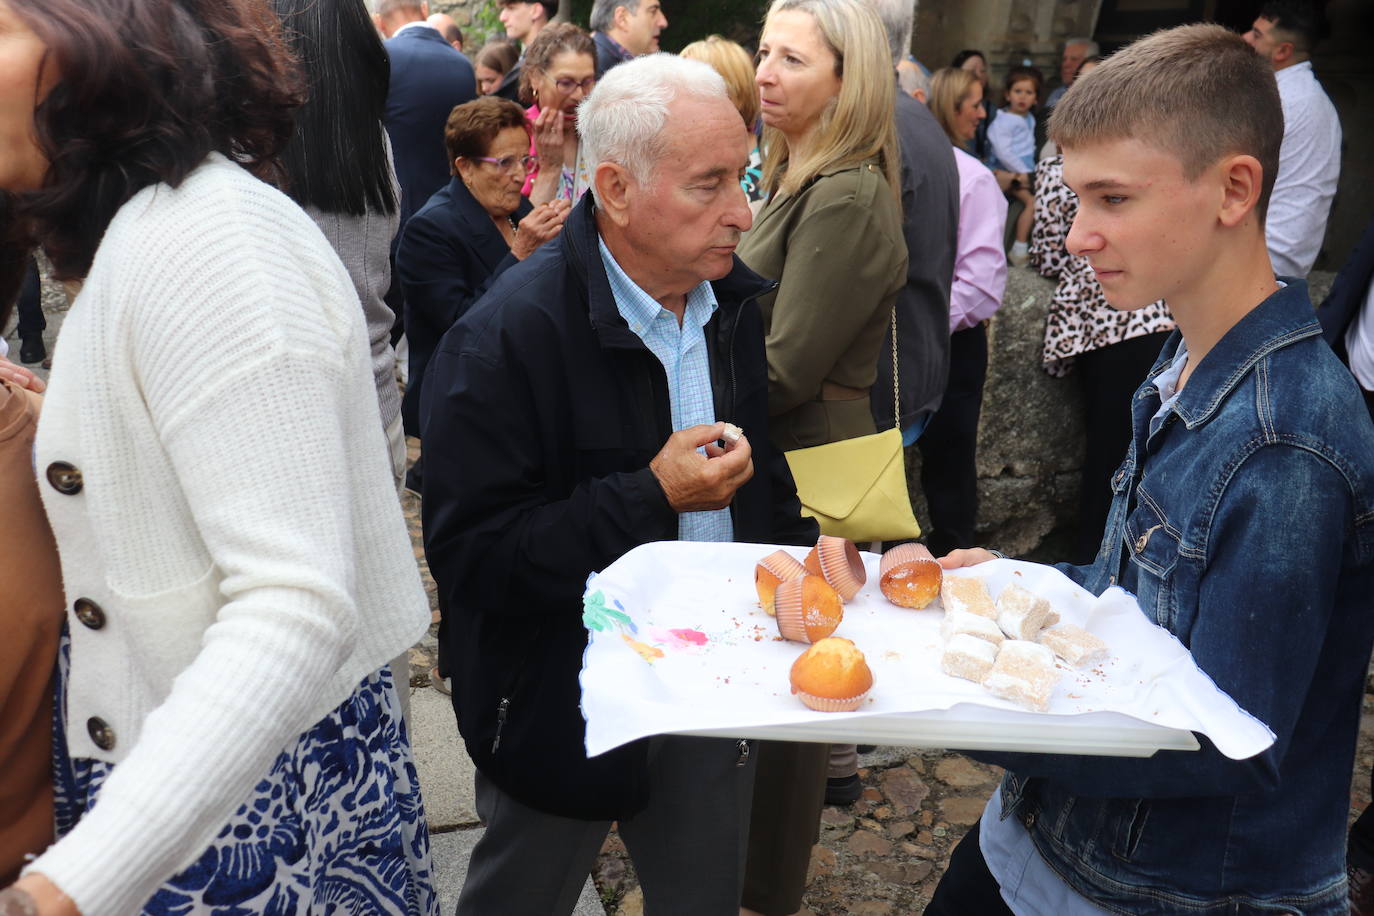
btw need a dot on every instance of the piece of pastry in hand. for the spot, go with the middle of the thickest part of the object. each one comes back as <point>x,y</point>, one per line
<point>1024,673</point>
<point>909,576</point>
<point>956,622</point>
<point>1074,645</point>
<point>807,609</point>
<point>832,676</point>
<point>837,561</point>
<point>772,571</point>
<point>968,657</point>
<point>1021,614</point>
<point>968,594</point>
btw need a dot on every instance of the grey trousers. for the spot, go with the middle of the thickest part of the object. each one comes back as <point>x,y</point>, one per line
<point>688,845</point>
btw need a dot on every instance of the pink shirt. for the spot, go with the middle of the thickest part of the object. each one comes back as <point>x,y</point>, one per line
<point>980,265</point>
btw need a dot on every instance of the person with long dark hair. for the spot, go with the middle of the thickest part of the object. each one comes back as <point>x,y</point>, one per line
<point>211,461</point>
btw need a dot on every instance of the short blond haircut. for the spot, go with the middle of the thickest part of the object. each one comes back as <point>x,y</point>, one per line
<point>733,63</point>
<point>1197,92</point>
<point>859,123</point>
<point>948,86</point>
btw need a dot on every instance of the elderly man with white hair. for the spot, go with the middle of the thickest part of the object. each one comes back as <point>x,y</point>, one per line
<point>572,414</point>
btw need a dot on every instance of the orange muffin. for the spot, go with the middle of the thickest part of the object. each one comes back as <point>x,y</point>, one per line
<point>807,609</point>
<point>772,571</point>
<point>909,576</point>
<point>832,676</point>
<point>837,561</point>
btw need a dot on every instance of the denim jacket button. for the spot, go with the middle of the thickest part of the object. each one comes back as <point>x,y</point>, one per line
<point>1111,580</point>
<point>1140,542</point>
<point>1028,820</point>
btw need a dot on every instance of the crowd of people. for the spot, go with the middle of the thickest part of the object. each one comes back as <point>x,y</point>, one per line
<point>298,231</point>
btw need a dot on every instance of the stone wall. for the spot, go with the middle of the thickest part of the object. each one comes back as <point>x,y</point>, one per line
<point>1031,434</point>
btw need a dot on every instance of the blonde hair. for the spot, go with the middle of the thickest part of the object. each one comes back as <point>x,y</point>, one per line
<point>1197,92</point>
<point>732,62</point>
<point>948,88</point>
<point>858,124</point>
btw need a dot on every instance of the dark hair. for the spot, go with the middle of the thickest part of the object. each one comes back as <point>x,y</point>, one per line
<point>965,55</point>
<point>145,91</point>
<point>337,160</point>
<point>1020,74</point>
<point>498,55</point>
<point>552,40</point>
<point>1303,20</point>
<point>472,126</point>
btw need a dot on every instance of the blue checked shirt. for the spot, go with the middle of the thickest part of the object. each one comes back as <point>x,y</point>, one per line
<point>682,351</point>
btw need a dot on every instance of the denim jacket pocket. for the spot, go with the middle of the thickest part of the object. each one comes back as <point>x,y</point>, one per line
<point>1126,819</point>
<point>1152,545</point>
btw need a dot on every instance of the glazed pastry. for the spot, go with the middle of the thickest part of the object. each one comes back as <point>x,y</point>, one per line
<point>968,657</point>
<point>957,622</point>
<point>807,609</point>
<point>772,571</point>
<point>1024,673</point>
<point>909,576</point>
<point>837,561</point>
<point>968,594</point>
<point>1021,614</point>
<point>832,676</point>
<point>1074,645</point>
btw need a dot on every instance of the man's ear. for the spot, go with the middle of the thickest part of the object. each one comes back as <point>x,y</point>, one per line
<point>613,191</point>
<point>1284,52</point>
<point>1242,180</point>
<point>620,18</point>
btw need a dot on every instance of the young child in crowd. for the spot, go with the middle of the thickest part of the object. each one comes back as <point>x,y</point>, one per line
<point>1013,147</point>
<point>1242,520</point>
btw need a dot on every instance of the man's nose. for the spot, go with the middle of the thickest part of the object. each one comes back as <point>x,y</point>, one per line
<point>1082,238</point>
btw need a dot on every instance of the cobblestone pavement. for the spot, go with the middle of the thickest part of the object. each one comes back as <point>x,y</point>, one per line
<point>885,853</point>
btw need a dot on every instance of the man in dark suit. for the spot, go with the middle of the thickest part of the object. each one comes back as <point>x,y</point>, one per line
<point>428,78</point>
<point>523,19</point>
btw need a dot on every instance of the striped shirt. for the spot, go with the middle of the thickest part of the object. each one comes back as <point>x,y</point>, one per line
<point>682,351</point>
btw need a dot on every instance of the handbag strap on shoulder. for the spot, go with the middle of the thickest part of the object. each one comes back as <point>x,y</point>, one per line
<point>896,384</point>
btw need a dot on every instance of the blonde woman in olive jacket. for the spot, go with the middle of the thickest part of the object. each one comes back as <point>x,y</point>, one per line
<point>831,236</point>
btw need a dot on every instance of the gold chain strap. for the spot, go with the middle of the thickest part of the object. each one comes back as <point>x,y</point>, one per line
<point>896,385</point>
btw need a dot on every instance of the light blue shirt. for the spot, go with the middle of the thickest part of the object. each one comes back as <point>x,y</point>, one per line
<point>1013,141</point>
<point>681,348</point>
<point>1028,885</point>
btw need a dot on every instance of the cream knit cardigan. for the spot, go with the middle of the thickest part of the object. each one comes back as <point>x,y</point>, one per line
<point>237,522</point>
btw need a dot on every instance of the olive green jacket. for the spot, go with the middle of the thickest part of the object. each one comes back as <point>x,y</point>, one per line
<point>837,252</point>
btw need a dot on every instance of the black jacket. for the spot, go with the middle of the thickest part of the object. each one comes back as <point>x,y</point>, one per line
<point>1348,292</point>
<point>541,412</point>
<point>447,257</point>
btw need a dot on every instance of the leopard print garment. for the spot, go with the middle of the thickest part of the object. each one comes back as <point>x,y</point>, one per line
<point>1079,318</point>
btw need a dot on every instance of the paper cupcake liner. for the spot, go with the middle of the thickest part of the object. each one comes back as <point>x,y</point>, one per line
<point>792,612</point>
<point>910,577</point>
<point>841,565</point>
<point>832,704</point>
<point>770,572</point>
<point>904,553</point>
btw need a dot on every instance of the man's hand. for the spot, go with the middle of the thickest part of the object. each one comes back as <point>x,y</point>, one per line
<point>539,225</point>
<point>958,559</point>
<point>694,482</point>
<point>24,378</point>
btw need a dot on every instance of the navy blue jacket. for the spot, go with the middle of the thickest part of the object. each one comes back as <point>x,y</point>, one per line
<point>449,253</point>
<point>1243,521</point>
<point>1349,291</point>
<point>540,414</point>
<point>428,78</point>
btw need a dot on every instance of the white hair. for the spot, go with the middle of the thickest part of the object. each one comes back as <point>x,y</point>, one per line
<point>603,13</point>
<point>898,18</point>
<point>1090,47</point>
<point>624,118</point>
<point>912,80</point>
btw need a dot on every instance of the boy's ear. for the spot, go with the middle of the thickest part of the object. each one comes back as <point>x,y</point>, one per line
<point>1242,179</point>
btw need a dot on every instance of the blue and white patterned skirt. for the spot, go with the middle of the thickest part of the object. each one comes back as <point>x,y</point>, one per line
<point>337,827</point>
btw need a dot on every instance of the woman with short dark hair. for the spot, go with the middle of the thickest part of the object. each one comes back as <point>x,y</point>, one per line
<point>210,458</point>
<point>469,232</point>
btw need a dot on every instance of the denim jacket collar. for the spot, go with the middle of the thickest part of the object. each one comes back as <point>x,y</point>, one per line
<point>1284,318</point>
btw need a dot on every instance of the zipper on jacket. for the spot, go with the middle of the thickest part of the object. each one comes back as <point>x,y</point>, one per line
<point>743,747</point>
<point>501,709</point>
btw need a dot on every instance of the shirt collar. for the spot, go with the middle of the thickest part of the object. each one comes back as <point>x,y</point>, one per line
<point>1288,73</point>
<point>616,47</point>
<point>1284,318</point>
<point>639,309</point>
<point>415,24</point>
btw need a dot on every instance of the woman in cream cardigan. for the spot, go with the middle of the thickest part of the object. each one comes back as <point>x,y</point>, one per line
<point>831,236</point>
<point>212,462</point>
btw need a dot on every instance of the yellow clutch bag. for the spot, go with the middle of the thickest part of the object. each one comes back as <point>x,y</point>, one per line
<point>856,488</point>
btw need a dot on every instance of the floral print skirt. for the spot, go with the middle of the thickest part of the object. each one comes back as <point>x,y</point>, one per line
<point>336,827</point>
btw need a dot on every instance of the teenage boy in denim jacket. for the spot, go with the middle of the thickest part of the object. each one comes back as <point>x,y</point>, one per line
<point>1242,519</point>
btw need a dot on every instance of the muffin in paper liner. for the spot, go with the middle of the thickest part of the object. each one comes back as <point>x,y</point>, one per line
<point>807,609</point>
<point>909,576</point>
<point>770,572</point>
<point>837,561</point>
